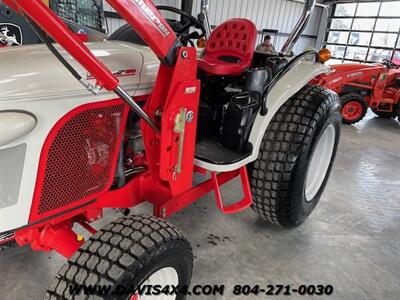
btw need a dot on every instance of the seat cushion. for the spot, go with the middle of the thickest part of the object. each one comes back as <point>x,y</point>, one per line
<point>234,40</point>
<point>216,66</point>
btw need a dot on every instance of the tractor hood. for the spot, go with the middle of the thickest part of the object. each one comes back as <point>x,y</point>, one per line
<point>33,73</point>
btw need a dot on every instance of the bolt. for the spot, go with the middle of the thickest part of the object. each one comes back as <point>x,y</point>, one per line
<point>164,212</point>
<point>189,116</point>
<point>184,54</point>
<point>159,112</point>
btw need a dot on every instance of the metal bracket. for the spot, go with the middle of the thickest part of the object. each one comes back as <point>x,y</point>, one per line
<point>180,123</point>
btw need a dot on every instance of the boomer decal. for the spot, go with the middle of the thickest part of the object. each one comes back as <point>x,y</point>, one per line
<point>152,17</point>
<point>10,34</point>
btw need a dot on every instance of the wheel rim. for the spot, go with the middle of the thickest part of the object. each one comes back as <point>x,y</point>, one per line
<point>163,277</point>
<point>320,162</point>
<point>352,110</point>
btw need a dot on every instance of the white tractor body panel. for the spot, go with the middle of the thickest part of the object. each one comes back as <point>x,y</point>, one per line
<point>33,81</point>
<point>293,81</point>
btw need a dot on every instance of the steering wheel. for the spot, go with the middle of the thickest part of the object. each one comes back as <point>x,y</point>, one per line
<point>181,27</point>
<point>390,64</point>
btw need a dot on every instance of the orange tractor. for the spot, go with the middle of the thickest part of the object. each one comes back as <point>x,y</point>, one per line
<point>365,85</point>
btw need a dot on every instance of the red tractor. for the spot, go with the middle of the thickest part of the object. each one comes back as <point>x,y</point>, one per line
<point>365,85</point>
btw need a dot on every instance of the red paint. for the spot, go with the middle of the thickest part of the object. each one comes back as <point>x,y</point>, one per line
<point>234,38</point>
<point>240,205</point>
<point>127,196</point>
<point>176,87</point>
<point>179,202</point>
<point>376,80</point>
<point>83,37</point>
<point>58,237</point>
<point>352,110</point>
<point>118,74</point>
<point>42,205</point>
<point>148,23</point>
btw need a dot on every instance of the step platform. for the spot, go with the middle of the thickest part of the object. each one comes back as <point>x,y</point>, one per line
<point>211,151</point>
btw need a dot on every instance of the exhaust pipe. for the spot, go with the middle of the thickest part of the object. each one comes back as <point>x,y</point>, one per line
<point>203,17</point>
<point>299,28</point>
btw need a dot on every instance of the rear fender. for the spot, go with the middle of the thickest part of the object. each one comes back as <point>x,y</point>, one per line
<point>293,81</point>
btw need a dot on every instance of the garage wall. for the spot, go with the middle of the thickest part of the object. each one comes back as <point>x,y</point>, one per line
<point>281,15</point>
<point>115,23</point>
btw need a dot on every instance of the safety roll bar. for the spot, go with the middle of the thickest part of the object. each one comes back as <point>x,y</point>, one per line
<point>299,28</point>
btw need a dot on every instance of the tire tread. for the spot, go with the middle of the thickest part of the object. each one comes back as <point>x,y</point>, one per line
<point>127,243</point>
<point>284,142</point>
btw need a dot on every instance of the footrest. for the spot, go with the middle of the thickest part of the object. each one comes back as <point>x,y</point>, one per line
<point>211,151</point>
<point>240,205</point>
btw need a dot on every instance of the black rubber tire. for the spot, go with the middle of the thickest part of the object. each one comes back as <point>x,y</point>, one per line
<point>344,99</point>
<point>127,34</point>
<point>122,255</point>
<point>387,115</point>
<point>278,176</point>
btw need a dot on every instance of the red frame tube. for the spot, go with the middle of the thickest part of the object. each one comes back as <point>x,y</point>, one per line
<point>151,26</point>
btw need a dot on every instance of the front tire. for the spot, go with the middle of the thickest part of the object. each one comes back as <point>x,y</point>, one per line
<point>130,252</point>
<point>354,108</point>
<point>296,157</point>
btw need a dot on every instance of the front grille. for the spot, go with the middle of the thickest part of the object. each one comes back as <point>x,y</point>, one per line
<point>11,167</point>
<point>80,156</point>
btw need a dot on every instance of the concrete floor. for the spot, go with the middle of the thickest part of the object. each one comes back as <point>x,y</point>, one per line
<point>351,241</point>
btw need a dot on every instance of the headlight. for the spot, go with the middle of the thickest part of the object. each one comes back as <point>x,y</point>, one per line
<point>14,125</point>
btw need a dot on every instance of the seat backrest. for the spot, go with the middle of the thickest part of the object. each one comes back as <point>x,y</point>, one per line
<point>235,38</point>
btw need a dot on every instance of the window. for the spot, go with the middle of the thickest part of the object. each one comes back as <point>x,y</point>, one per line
<point>360,38</point>
<point>363,24</point>
<point>378,55</point>
<point>390,9</point>
<point>84,12</point>
<point>367,9</point>
<point>390,25</point>
<point>356,53</point>
<point>338,37</point>
<point>346,9</point>
<point>341,24</point>
<point>364,31</point>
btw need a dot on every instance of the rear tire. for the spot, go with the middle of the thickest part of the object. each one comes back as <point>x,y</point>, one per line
<point>281,194</point>
<point>125,254</point>
<point>354,108</point>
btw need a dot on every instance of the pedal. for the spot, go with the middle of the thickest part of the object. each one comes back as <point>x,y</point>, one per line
<point>240,205</point>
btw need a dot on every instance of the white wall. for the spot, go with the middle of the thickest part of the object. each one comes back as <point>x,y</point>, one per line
<point>266,14</point>
<point>281,15</point>
<point>114,24</point>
